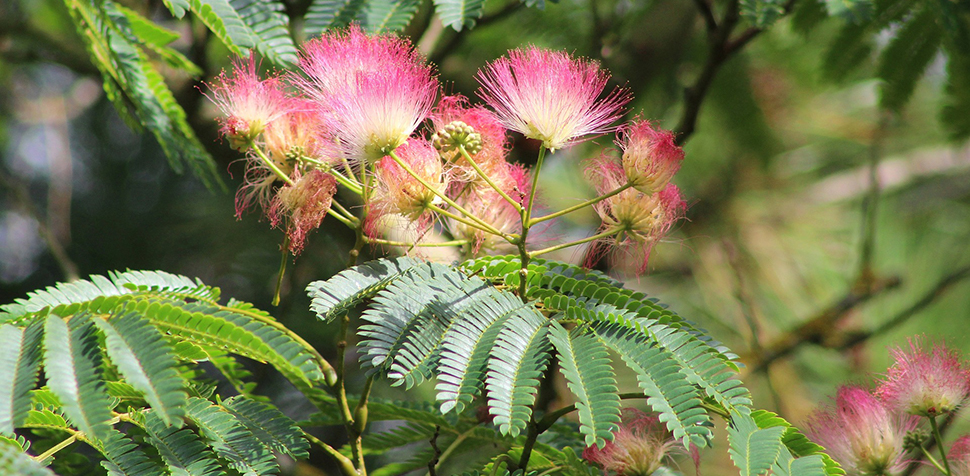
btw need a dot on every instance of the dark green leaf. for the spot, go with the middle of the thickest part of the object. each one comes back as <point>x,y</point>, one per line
<point>19,365</point>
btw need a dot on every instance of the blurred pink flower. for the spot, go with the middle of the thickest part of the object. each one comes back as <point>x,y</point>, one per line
<point>550,96</point>
<point>922,382</point>
<point>864,435</point>
<point>301,207</point>
<point>486,203</point>
<point>639,446</point>
<point>650,156</point>
<point>959,456</point>
<point>373,90</point>
<point>248,104</point>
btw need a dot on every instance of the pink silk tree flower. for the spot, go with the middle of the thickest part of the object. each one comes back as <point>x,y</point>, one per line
<point>248,104</point>
<point>298,134</point>
<point>639,446</point>
<point>959,456</point>
<point>374,90</point>
<point>398,192</point>
<point>863,434</point>
<point>486,203</point>
<point>639,220</point>
<point>925,382</point>
<point>650,156</point>
<point>302,206</point>
<point>550,96</point>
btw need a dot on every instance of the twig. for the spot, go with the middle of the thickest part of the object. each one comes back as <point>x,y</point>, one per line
<point>819,328</point>
<point>942,286</point>
<point>917,463</point>
<point>871,204</point>
<point>433,464</point>
<point>721,48</point>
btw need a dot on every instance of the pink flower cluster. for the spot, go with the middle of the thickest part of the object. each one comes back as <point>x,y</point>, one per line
<point>351,117</point>
<point>866,431</point>
<point>640,446</point>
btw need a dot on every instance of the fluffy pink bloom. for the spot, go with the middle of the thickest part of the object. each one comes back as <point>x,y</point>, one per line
<point>959,456</point>
<point>864,435</point>
<point>550,96</point>
<point>303,206</point>
<point>374,90</point>
<point>297,134</point>
<point>639,446</point>
<point>640,220</point>
<point>491,158</point>
<point>248,104</point>
<point>925,382</point>
<point>398,192</point>
<point>650,156</point>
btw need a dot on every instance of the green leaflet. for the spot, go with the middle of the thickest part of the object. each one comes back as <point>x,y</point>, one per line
<point>325,14</point>
<point>270,28</point>
<point>585,363</point>
<point>762,13</point>
<point>72,360</point>
<point>14,462</point>
<point>125,458</point>
<point>797,445</point>
<point>906,57</point>
<point>380,16</point>
<point>335,296</point>
<point>230,439</point>
<point>753,450</point>
<point>270,426</point>
<point>147,363</point>
<point>459,14</point>
<point>181,449</point>
<point>19,364</point>
<point>517,361</point>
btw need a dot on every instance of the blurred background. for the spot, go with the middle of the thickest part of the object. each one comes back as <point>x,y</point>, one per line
<point>829,219</point>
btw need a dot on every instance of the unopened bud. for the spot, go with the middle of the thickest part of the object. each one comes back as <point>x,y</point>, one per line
<point>914,439</point>
<point>457,134</point>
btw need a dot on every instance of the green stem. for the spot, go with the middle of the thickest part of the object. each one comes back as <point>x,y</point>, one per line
<point>341,218</point>
<point>488,180</point>
<point>346,465</point>
<point>272,166</point>
<point>933,461</point>
<point>279,279</point>
<point>939,444</point>
<point>379,241</point>
<point>352,185</point>
<point>451,448</point>
<point>476,225</point>
<point>346,213</point>
<point>60,446</point>
<point>535,184</point>
<point>482,224</point>
<point>573,243</point>
<point>585,204</point>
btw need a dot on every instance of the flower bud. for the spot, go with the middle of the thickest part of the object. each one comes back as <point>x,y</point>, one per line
<point>457,134</point>
<point>650,156</point>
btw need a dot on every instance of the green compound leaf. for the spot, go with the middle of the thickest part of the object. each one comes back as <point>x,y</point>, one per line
<point>905,58</point>
<point>270,28</point>
<point>125,458</point>
<point>270,426</point>
<point>517,361</point>
<point>19,365</point>
<point>181,449</point>
<point>380,16</point>
<point>147,363</point>
<point>323,15</point>
<point>72,361</point>
<point>14,462</point>
<point>585,362</point>
<point>459,14</point>
<point>332,297</point>
<point>230,439</point>
<point>754,451</point>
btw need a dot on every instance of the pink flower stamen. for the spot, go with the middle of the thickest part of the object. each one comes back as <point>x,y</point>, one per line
<point>650,156</point>
<point>922,382</point>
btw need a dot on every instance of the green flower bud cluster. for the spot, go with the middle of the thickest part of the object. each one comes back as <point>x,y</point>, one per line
<point>457,134</point>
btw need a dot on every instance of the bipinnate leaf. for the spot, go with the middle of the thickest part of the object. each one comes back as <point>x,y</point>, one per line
<point>585,362</point>
<point>754,451</point>
<point>146,362</point>
<point>332,297</point>
<point>20,351</point>
<point>270,426</point>
<point>459,14</point>
<point>518,359</point>
<point>230,439</point>
<point>72,363</point>
<point>182,451</point>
